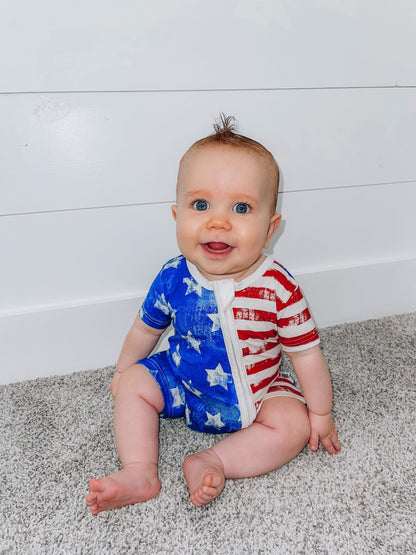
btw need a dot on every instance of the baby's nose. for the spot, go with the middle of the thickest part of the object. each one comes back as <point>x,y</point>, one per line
<point>219,220</point>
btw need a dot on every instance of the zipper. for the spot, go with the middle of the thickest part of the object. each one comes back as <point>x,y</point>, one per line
<point>224,294</point>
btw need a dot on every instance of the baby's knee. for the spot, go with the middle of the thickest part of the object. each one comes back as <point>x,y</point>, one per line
<point>138,381</point>
<point>290,418</point>
<point>131,375</point>
<point>295,434</point>
<point>300,428</point>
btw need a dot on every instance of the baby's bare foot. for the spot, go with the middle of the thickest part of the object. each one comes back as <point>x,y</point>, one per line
<point>204,474</point>
<point>136,483</point>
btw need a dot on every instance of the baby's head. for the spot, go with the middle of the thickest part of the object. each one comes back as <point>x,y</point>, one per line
<point>226,201</point>
<point>225,136</point>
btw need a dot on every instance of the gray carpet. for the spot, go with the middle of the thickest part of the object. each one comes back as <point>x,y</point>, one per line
<point>56,433</point>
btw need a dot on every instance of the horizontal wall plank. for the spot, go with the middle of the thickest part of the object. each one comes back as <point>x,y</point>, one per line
<point>184,44</point>
<point>77,255</point>
<point>71,256</point>
<point>72,151</point>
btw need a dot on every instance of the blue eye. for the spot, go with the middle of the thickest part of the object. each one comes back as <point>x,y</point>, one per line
<point>241,208</point>
<point>201,205</point>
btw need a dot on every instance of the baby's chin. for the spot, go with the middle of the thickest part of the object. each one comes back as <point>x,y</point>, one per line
<point>223,262</point>
<point>213,272</point>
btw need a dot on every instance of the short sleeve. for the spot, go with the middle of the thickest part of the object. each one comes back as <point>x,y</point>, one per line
<point>296,327</point>
<point>155,310</point>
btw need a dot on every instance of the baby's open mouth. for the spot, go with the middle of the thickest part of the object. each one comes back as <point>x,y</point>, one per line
<point>217,247</point>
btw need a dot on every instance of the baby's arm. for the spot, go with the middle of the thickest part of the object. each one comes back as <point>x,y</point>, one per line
<point>312,371</point>
<point>138,344</point>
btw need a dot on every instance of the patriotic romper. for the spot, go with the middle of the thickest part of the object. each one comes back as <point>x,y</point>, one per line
<point>224,355</point>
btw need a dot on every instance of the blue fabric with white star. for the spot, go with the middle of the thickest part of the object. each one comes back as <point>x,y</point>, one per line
<point>194,374</point>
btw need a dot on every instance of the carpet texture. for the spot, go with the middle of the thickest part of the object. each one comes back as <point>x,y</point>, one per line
<point>56,433</point>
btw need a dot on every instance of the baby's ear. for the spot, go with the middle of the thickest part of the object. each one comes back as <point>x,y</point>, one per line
<point>273,225</point>
<point>174,208</point>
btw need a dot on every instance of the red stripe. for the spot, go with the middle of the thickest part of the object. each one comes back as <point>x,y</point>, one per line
<point>296,320</point>
<point>281,278</point>
<point>285,380</point>
<point>295,297</point>
<point>264,383</point>
<point>259,350</point>
<point>285,388</point>
<point>254,315</point>
<point>300,339</point>
<point>263,293</point>
<point>261,365</point>
<point>244,335</point>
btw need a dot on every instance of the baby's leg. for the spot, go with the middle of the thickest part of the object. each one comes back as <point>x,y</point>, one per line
<point>137,406</point>
<point>280,431</point>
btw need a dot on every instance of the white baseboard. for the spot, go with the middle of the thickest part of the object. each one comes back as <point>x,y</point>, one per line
<point>355,294</point>
<point>64,339</point>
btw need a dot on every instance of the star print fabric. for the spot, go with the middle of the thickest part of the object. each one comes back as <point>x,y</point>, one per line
<point>224,355</point>
<point>194,374</point>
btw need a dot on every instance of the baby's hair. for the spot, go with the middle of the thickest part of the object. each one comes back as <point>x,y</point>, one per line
<point>225,134</point>
<point>227,127</point>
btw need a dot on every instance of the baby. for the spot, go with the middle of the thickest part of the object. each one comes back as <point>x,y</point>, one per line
<point>233,311</point>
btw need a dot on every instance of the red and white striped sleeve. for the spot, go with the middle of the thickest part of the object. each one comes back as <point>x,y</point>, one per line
<point>295,326</point>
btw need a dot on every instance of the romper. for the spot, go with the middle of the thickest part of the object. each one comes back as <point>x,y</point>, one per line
<point>224,355</point>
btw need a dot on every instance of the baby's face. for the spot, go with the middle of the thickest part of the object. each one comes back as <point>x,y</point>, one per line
<point>223,213</point>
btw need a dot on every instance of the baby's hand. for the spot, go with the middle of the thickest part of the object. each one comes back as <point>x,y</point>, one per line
<point>114,384</point>
<point>323,430</point>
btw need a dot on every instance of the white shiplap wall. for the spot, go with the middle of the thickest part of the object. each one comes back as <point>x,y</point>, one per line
<point>98,102</point>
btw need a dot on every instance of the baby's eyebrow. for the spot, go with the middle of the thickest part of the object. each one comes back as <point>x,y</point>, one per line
<point>201,193</point>
<point>196,193</point>
<point>248,199</point>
